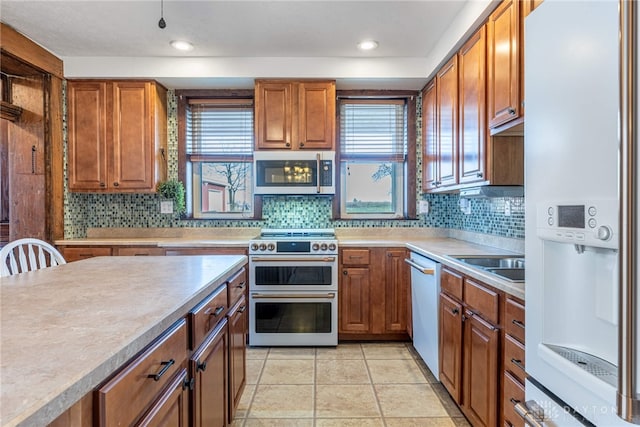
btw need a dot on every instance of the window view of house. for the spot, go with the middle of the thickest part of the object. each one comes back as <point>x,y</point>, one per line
<point>219,152</point>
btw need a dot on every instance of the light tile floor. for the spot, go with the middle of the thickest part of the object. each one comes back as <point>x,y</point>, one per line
<point>351,385</point>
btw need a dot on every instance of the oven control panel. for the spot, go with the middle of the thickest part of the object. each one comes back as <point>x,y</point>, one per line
<point>293,247</point>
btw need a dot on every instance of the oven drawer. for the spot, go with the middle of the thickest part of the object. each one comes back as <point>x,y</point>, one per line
<point>206,315</point>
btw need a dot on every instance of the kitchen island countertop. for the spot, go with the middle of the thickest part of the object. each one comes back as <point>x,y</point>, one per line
<point>65,329</point>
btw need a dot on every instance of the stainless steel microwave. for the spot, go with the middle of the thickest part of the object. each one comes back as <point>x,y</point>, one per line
<point>294,172</point>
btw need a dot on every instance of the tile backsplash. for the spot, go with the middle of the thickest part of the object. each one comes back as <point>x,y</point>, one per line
<point>83,211</point>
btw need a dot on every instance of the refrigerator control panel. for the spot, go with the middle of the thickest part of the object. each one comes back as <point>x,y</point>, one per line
<point>589,223</point>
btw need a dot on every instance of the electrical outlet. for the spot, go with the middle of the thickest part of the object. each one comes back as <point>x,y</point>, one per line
<point>166,206</point>
<point>507,208</point>
<point>423,207</point>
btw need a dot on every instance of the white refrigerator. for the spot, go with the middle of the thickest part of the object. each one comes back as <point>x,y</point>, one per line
<point>580,328</point>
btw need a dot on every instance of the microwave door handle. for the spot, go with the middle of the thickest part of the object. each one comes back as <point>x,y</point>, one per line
<point>318,172</point>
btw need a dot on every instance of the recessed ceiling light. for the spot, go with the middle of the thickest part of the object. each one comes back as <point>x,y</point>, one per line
<point>367,45</point>
<point>181,45</point>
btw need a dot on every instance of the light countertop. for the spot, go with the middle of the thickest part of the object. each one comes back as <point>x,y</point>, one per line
<point>65,329</point>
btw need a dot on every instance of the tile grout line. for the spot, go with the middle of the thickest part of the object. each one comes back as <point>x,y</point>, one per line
<point>373,388</point>
<point>255,390</point>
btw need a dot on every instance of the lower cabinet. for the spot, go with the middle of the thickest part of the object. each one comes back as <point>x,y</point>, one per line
<point>237,354</point>
<point>469,350</point>
<point>373,296</point>
<point>172,407</point>
<point>209,367</point>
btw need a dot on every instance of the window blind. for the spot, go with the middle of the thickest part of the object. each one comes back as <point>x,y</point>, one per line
<point>219,129</point>
<point>373,129</point>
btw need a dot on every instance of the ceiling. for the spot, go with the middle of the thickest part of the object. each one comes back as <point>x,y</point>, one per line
<point>237,40</point>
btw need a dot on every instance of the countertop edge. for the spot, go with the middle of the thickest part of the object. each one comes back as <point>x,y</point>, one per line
<point>52,407</point>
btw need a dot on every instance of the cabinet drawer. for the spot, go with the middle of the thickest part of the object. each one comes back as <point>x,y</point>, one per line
<point>76,254</point>
<point>514,319</point>
<point>140,251</point>
<point>451,283</point>
<point>206,315</point>
<point>127,395</point>
<point>236,286</point>
<point>484,301</point>
<point>514,358</point>
<point>513,394</point>
<point>355,257</point>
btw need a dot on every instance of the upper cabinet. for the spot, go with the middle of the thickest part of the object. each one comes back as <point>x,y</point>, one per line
<point>447,119</point>
<point>295,115</point>
<point>503,63</point>
<point>117,135</point>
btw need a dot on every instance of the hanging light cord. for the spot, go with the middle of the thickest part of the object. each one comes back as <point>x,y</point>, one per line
<point>161,22</point>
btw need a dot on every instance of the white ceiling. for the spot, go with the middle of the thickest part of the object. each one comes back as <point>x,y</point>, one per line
<point>238,40</point>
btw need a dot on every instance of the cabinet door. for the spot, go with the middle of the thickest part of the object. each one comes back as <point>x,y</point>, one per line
<point>133,136</point>
<point>316,115</point>
<point>72,253</point>
<point>397,279</point>
<point>503,68</point>
<point>354,300</point>
<point>209,367</point>
<point>481,343</point>
<point>430,153</point>
<point>87,134</point>
<point>472,120</point>
<point>237,354</point>
<point>451,346</point>
<point>171,409</point>
<point>273,114</point>
<point>447,102</point>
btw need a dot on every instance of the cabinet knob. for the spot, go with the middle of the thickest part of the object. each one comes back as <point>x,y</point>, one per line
<point>102,184</point>
<point>512,111</point>
<point>344,272</point>
<point>287,144</point>
<point>201,366</point>
<point>188,383</point>
<point>455,311</point>
<point>301,144</point>
<point>116,184</point>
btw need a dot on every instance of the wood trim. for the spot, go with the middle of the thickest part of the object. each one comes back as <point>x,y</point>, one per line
<point>9,111</point>
<point>19,46</point>
<point>55,160</point>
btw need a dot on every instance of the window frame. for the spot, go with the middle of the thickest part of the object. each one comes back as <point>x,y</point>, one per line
<point>409,98</point>
<point>184,166</point>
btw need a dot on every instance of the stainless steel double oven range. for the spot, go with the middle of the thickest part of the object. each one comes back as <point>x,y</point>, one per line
<point>293,288</point>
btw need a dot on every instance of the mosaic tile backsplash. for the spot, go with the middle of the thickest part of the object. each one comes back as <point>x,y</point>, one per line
<point>83,211</point>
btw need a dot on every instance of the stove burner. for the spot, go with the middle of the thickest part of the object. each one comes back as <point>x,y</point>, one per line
<point>295,241</point>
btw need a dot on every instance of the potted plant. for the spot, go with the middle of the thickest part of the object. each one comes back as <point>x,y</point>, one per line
<point>173,190</point>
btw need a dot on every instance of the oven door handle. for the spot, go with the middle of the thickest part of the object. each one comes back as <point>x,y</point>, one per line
<point>293,259</point>
<point>328,295</point>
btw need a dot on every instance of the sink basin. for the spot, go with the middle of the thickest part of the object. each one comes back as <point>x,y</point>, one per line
<point>493,261</point>
<point>508,267</point>
<point>513,274</point>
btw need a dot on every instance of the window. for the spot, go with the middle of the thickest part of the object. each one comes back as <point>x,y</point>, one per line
<point>374,161</point>
<point>219,156</point>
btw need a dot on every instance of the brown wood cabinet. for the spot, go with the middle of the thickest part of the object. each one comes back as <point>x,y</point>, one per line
<point>172,407</point>
<point>76,253</point>
<point>513,366</point>
<point>295,115</point>
<point>373,293</point>
<point>469,346</point>
<point>503,63</point>
<point>238,324</point>
<point>473,118</point>
<point>209,366</point>
<point>447,119</point>
<point>429,137</point>
<point>117,135</point>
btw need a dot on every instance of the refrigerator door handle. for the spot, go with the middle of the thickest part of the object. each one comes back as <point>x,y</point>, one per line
<point>531,413</point>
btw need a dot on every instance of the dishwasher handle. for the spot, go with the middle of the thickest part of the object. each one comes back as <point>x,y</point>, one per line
<point>421,269</point>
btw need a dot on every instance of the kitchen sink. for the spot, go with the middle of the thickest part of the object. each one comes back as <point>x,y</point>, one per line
<point>508,267</point>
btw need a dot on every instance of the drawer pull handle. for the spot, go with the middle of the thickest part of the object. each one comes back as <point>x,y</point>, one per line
<point>514,401</point>
<point>518,323</point>
<point>201,366</point>
<point>242,309</point>
<point>241,285</point>
<point>216,313</point>
<point>455,311</point>
<point>167,365</point>
<point>518,363</point>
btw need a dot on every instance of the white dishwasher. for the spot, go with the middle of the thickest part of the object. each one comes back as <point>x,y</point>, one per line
<point>425,292</point>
